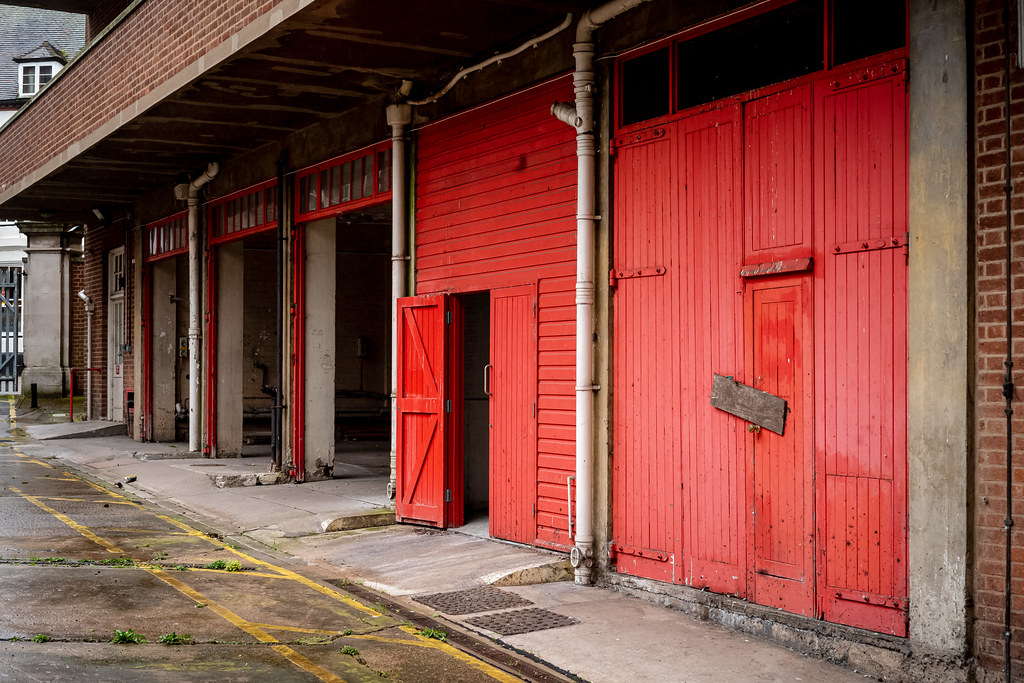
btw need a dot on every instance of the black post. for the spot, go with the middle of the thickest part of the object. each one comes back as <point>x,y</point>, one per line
<point>34,391</point>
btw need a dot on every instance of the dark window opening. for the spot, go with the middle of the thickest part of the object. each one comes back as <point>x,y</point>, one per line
<point>862,28</point>
<point>645,87</point>
<point>766,49</point>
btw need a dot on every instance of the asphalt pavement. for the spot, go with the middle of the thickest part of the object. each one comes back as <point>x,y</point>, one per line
<point>506,605</point>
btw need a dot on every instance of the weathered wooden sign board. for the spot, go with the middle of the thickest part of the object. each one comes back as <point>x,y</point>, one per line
<point>760,407</point>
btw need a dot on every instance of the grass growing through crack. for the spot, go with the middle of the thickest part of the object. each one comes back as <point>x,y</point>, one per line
<point>41,638</point>
<point>435,633</point>
<point>176,639</point>
<point>128,637</point>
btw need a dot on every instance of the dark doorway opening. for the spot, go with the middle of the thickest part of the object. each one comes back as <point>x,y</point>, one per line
<point>476,337</point>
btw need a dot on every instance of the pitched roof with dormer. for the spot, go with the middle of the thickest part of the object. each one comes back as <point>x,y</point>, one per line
<point>30,34</point>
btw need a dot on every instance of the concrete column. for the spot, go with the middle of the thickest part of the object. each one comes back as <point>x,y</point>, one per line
<point>135,260</point>
<point>45,309</point>
<point>321,293</point>
<point>164,349</point>
<point>941,359</point>
<point>229,315</point>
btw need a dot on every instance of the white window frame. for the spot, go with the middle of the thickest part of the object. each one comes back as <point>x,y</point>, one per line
<point>35,68</point>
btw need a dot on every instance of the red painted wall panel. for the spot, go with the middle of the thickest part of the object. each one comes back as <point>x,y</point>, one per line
<point>496,194</point>
<point>495,208</point>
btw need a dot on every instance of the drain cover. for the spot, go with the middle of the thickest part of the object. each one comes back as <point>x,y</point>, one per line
<point>482,599</point>
<point>521,621</point>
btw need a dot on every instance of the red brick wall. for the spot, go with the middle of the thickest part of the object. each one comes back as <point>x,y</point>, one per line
<point>164,35</point>
<point>990,471</point>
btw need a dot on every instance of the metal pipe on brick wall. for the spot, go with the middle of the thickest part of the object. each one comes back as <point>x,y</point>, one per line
<point>399,116</point>
<point>1008,387</point>
<point>190,192</point>
<point>581,117</point>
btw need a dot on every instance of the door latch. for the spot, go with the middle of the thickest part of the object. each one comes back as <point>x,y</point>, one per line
<point>753,428</point>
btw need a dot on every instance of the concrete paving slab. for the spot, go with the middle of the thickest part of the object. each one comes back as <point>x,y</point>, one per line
<point>620,638</point>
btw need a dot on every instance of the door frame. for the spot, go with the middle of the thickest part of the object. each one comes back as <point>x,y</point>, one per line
<point>116,300</point>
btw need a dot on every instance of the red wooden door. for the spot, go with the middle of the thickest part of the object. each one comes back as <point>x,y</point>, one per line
<point>779,227</point>
<point>423,406</point>
<point>512,383</point>
<point>678,463</point>
<point>645,517</point>
<point>861,425</point>
<point>781,467</point>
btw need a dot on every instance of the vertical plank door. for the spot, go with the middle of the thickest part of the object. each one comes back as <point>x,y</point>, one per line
<point>512,383</point>
<point>422,402</point>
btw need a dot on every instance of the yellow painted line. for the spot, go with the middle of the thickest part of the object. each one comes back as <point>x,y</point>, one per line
<point>307,664</point>
<point>99,488</point>
<point>434,644</point>
<point>79,500</point>
<point>238,573</point>
<point>70,522</point>
<point>221,611</point>
<point>252,629</point>
<point>296,629</point>
<point>25,458</point>
<point>284,573</point>
<point>162,532</point>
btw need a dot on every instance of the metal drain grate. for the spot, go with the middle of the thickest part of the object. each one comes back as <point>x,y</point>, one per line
<point>521,621</point>
<point>482,599</point>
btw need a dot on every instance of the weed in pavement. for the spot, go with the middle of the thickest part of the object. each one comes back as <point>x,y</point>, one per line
<point>128,637</point>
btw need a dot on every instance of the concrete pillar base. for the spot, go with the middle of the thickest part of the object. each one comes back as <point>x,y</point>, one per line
<point>49,382</point>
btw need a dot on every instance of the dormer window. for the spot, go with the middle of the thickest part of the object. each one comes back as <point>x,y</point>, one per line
<point>34,76</point>
<point>36,68</point>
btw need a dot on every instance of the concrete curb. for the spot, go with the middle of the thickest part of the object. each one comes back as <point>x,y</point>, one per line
<point>358,521</point>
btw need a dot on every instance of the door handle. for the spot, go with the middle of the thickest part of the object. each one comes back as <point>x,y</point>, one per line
<point>487,379</point>
<point>754,429</point>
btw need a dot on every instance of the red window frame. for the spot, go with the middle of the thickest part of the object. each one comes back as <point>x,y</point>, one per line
<point>721,21</point>
<point>166,237</point>
<point>330,187</point>
<point>245,212</point>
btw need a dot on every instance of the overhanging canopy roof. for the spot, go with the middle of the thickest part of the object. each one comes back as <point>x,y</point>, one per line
<point>329,58</point>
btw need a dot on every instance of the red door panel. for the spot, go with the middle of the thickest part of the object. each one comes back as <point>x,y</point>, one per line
<point>513,407</point>
<point>421,407</point>
<point>782,466</point>
<point>710,321</point>
<point>861,425</point>
<point>777,171</point>
<point>646,516</point>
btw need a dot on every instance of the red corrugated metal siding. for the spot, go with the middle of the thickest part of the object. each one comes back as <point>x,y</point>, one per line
<point>513,400</point>
<point>422,391</point>
<point>862,366</point>
<point>817,171</point>
<point>495,208</point>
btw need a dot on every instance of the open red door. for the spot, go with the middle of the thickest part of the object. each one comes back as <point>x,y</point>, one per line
<point>422,405</point>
